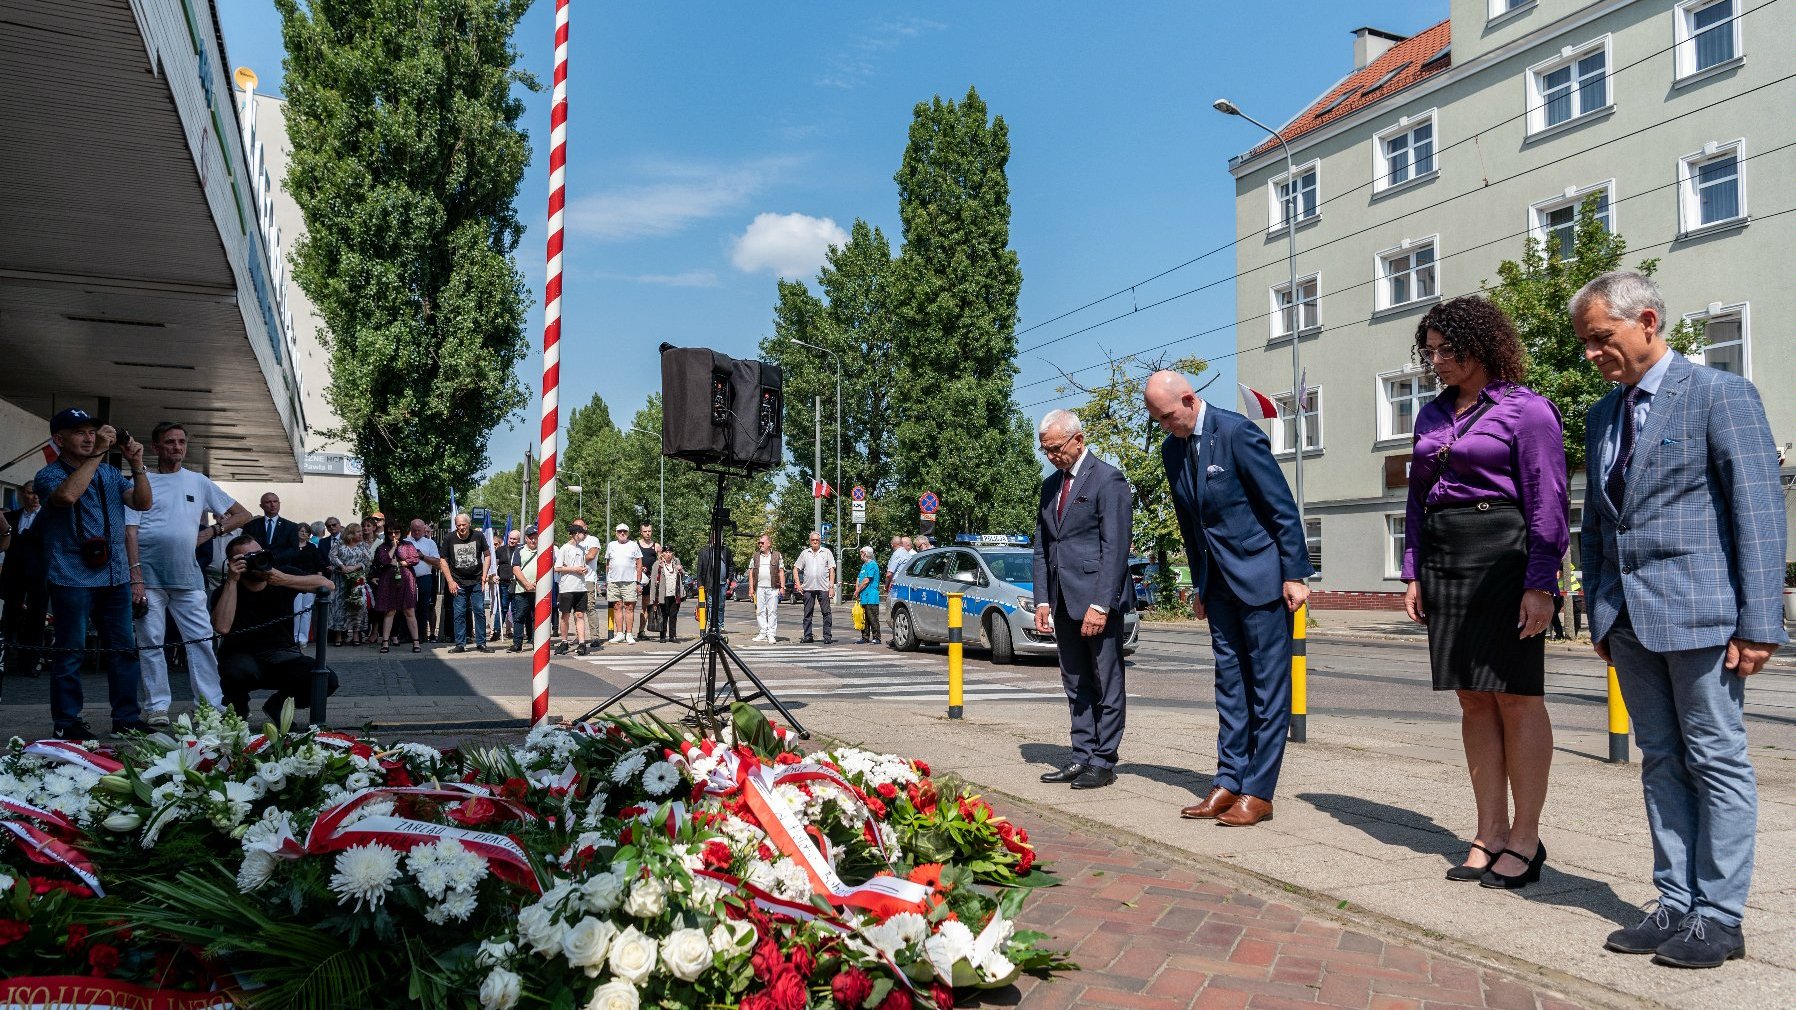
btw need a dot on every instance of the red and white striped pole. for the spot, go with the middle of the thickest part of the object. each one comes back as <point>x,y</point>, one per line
<point>551,425</point>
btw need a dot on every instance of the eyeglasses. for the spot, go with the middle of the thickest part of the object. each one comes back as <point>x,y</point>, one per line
<point>1441,353</point>
<point>1054,450</point>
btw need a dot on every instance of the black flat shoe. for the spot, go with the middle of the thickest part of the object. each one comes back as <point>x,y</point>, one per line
<point>1095,778</point>
<point>1492,878</point>
<point>1065,773</point>
<point>1470,873</point>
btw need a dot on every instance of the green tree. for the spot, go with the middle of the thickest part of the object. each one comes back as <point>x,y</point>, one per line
<point>1118,428</point>
<point>959,432</point>
<point>406,160</point>
<point>1535,292</point>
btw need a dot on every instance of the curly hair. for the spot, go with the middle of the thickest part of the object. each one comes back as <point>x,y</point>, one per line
<point>1474,328</point>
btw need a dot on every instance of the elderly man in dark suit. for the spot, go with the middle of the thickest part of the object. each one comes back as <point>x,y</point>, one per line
<point>1248,562</point>
<point>1082,591</point>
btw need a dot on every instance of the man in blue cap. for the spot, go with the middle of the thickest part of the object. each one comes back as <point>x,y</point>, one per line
<point>89,574</point>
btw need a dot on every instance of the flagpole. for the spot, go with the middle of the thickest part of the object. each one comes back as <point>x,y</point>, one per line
<point>550,434</point>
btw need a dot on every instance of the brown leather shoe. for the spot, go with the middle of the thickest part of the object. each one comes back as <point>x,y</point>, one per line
<point>1220,799</point>
<point>1247,811</point>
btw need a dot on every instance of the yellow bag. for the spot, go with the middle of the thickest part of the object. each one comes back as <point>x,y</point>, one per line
<point>860,617</point>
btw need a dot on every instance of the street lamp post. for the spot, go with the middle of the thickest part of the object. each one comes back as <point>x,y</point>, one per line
<point>661,516</point>
<point>578,488</point>
<point>841,569</point>
<point>1229,108</point>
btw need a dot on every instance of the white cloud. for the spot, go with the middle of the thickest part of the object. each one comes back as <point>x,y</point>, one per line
<point>680,195</point>
<point>791,245</point>
<point>683,279</point>
<point>858,61</point>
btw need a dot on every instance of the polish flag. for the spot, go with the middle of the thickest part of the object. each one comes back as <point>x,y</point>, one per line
<point>49,449</point>
<point>821,489</point>
<point>1256,404</point>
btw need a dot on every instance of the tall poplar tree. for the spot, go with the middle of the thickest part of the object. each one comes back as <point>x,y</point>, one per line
<point>407,157</point>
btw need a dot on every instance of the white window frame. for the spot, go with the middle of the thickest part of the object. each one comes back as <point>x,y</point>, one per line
<point>1381,175</point>
<point>1275,211</point>
<point>1573,197</point>
<point>1381,277</point>
<point>1281,426</point>
<point>1312,544</point>
<point>1394,535</point>
<point>1313,303</point>
<point>1720,311</point>
<point>1386,430</point>
<point>1569,56</point>
<point>1499,10</point>
<point>1689,200</point>
<point>1684,34</point>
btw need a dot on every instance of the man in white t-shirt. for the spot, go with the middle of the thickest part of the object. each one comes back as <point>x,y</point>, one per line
<point>166,580</point>
<point>570,572</point>
<point>767,581</point>
<point>815,572</point>
<point>623,578</point>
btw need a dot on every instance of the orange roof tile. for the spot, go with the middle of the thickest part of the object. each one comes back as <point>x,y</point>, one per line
<point>1406,59</point>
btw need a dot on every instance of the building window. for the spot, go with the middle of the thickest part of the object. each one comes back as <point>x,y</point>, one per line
<point>1407,274</point>
<point>1401,396</point>
<point>1712,186</point>
<point>1312,543</point>
<point>1724,337</point>
<point>1285,197</point>
<point>1555,222</point>
<point>1394,541</point>
<point>1498,8</point>
<point>1311,420</point>
<point>1307,306</point>
<point>1575,83</point>
<point>1708,35</point>
<point>1406,152</point>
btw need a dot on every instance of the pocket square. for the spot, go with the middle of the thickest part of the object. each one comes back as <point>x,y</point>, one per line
<point>1213,469</point>
<point>1671,441</point>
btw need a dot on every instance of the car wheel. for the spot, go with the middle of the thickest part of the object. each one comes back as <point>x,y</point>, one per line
<point>997,634</point>
<point>904,637</point>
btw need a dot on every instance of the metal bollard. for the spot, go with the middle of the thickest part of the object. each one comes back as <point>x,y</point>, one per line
<point>701,609</point>
<point>1300,673</point>
<point>956,604</point>
<point>321,674</point>
<point>1618,721</point>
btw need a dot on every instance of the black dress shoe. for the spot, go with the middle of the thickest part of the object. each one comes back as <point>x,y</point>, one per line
<point>1701,943</point>
<point>1065,773</point>
<point>1660,925</point>
<point>1095,778</point>
<point>1520,880</point>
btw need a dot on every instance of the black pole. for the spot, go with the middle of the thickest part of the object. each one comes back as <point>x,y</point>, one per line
<point>321,674</point>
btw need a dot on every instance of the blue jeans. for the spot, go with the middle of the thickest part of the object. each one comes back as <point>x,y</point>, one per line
<point>503,592</point>
<point>1701,797</point>
<point>109,607</point>
<point>470,596</point>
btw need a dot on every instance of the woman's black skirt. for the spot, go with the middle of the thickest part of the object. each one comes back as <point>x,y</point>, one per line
<point>1474,562</point>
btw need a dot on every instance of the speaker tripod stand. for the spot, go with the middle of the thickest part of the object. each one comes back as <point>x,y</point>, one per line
<point>716,658</point>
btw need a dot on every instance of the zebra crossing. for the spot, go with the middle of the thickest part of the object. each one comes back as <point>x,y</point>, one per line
<point>796,670</point>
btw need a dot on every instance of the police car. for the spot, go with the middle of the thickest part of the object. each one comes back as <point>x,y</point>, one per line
<point>995,576</point>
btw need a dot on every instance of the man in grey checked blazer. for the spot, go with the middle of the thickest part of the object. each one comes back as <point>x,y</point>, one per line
<point>1683,564</point>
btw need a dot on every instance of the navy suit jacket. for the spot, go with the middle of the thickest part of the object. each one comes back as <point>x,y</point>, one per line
<point>284,545</point>
<point>1696,552</point>
<point>1233,504</point>
<point>1082,554</point>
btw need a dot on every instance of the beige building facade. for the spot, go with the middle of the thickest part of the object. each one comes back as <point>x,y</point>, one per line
<point>1439,154</point>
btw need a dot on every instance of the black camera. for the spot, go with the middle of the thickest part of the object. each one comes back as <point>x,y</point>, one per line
<point>96,552</point>
<point>259,562</point>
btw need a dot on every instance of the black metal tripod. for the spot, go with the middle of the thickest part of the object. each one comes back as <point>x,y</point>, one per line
<point>712,648</point>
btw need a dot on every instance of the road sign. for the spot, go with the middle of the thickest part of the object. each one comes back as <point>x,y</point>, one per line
<point>478,517</point>
<point>827,527</point>
<point>857,511</point>
<point>928,505</point>
<point>859,493</point>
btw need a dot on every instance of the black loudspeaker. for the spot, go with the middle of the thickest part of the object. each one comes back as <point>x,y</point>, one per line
<point>720,411</point>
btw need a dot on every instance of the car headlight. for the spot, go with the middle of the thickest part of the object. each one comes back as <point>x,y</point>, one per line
<point>1026,603</point>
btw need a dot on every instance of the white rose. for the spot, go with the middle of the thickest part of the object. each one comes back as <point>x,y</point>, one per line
<point>733,937</point>
<point>615,995</point>
<point>648,898</point>
<point>358,780</point>
<point>494,953</point>
<point>603,892</point>
<point>686,954</point>
<point>586,944</point>
<point>537,927</point>
<point>500,990</point>
<point>632,955</point>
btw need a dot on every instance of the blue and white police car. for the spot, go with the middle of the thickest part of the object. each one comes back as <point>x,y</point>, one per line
<point>995,576</point>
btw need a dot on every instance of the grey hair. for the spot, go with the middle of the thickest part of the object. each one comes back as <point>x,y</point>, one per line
<point>1062,420</point>
<point>867,552</point>
<point>1626,293</point>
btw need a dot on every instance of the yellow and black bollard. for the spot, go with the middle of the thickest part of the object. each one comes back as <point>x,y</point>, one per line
<point>701,609</point>
<point>955,611</point>
<point>1618,721</point>
<point>1300,673</point>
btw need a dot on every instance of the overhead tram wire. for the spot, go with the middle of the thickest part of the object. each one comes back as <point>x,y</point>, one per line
<point>1472,137</point>
<point>1338,326</point>
<point>1418,210</point>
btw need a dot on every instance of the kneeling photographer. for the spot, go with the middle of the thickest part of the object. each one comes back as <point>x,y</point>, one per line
<point>256,595</point>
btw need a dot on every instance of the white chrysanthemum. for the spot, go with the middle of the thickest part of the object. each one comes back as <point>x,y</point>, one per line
<point>633,955</point>
<point>791,881</point>
<point>741,832</point>
<point>365,874</point>
<point>760,873</point>
<point>952,942</point>
<point>660,778</point>
<point>382,806</point>
<point>686,954</point>
<point>793,797</point>
<point>457,906</point>
<point>258,866</point>
<point>627,767</point>
<point>500,990</point>
<point>616,994</point>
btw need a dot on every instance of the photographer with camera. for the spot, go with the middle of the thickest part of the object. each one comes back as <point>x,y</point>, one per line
<point>256,595</point>
<point>88,574</point>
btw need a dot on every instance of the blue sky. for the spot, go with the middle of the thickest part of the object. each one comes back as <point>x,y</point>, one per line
<point>712,146</point>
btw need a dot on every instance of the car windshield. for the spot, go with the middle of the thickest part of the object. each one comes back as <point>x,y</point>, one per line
<point>1010,566</point>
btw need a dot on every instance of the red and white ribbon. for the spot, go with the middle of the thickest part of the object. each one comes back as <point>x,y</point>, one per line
<point>69,752</point>
<point>49,818</point>
<point>79,992</point>
<point>330,833</point>
<point>40,846</point>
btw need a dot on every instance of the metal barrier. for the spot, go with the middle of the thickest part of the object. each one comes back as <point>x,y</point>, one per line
<point>956,608</point>
<point>1618,721</point>
<point>1300,673</point>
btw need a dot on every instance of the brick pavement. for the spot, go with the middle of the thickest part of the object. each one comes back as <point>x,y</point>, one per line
<point>1153,934</point>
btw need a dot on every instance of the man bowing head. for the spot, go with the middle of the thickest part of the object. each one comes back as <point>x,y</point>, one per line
<point>1082,591</point>
<point>1248,562</point>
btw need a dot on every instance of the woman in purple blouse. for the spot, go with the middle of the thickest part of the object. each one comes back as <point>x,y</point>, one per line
<point>1484,533</point>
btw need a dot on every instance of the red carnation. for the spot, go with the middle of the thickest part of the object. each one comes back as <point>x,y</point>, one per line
<point>12,930</point>
<point>944,996</point>
<point>788,758</point>
<point>897,999</point>
<point>788,991</point>
<point>876,808</point>
<point>103,959</point>
<point>716,855</point>
<point>627,836</point>
<point>77,938</point>
<point>887,791</point>
<point>851,988</point>
<point>765,852</point>
<point>922,768</point>
<point>802,961</point>
<point>514,789</point>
